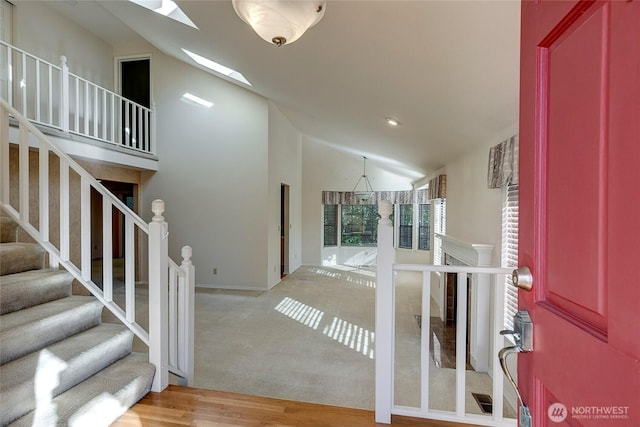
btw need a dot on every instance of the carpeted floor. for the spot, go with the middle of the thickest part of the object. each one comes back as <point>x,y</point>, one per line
<point>311,339</point>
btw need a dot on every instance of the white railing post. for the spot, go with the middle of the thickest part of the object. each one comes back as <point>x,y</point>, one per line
<point>158,297</point>
<point>188,315</point>
<point>64,94</point>
<point>384,316</point>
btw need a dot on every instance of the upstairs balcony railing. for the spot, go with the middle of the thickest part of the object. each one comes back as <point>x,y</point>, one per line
<point>50,95</point>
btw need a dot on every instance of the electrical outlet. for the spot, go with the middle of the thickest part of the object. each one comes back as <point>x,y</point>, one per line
<point>215,271</point>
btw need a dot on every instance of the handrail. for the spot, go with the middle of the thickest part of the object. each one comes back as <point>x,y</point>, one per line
<point>50,95</point>
<point>171,323</point>
<point>385,382</point>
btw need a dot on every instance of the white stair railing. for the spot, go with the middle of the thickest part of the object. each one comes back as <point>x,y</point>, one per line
<point>55,227</point>
<point>50,95</point>
<point>386,362</point>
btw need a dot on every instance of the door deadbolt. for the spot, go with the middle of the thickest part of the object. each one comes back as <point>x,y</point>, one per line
<point>522,278</point>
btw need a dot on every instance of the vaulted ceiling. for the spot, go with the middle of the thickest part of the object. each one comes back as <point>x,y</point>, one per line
<point>447,70</point>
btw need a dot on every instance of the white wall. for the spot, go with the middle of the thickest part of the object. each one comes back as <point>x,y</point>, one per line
<point>45,33</point>
<point>327,168</point>
<point>212,174</point>
<point>285,167</point>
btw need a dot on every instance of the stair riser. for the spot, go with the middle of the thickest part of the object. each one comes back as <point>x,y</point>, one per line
<point>27,338</point>
<point>28,289</point>
<point>84,355</point>
<point>118,386</point>
<point>19,257</point>
<point>8,229</point>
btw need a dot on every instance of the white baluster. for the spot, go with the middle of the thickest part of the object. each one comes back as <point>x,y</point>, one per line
<point>461,339</point>
<point>107,249</point>
<point>43,174</point>
<point>85,228</point>
<point>186,315</point>
<point>158,297</point>
<point>130,268</point>
<point>24,172</point>
<point>384,316</point>
<point>64,94</point>
<point>4,155</point>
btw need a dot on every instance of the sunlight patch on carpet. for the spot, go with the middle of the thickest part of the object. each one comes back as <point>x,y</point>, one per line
<point>353,336</point>
<point>300,312</point>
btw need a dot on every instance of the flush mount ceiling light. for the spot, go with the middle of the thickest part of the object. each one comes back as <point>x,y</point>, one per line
<point>392,122</point>
<point>365,193</point>
<point>280,21</point>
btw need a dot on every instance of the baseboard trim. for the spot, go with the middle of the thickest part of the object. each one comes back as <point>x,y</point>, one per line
<point>231,288</point>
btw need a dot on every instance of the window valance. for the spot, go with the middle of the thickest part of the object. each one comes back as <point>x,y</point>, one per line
<point>503,163</point>
<point>395,197</point>
<point>438,187</point>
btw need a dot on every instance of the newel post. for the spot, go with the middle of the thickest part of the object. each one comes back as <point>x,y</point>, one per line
<point>189,311</point>
<point>384,314</point>
<point>158,297</point>
<point>64,94</point>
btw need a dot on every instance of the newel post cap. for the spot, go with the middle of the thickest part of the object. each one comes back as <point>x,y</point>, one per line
<point>157,207</point>
<point>186,253</point>
<point>385,209</point>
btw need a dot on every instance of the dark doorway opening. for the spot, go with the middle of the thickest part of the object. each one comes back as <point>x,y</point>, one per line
<point>135,85</point>
<point>284,230</point>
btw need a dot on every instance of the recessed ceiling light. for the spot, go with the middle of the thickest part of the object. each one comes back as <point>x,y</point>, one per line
<point>218,68</point>
<point>392,122</point>
<point>202,102</point>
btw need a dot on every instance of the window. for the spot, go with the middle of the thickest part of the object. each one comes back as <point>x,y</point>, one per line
<point>424,227</point>
<point>330,225</point>
<point>405,230</point>
<point>359,225</point>
<point>440,227</point>
<point>510,250</point>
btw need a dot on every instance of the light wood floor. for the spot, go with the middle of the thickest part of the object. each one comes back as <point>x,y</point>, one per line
<point>180,406</point>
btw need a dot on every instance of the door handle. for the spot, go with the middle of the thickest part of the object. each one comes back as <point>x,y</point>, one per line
<point>522,278</point>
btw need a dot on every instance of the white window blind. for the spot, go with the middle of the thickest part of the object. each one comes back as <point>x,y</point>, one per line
<point>439,226</point>
<point>510,250</point>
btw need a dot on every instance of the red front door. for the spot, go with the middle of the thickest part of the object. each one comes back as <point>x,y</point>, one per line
<point>580,211</point>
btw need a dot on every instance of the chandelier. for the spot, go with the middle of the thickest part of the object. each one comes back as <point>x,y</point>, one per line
<point>365,193</point>
<point>280,21</point>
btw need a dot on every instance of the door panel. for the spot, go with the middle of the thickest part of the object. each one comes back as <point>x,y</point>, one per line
<point>580,211</point>
<point>572,175</point>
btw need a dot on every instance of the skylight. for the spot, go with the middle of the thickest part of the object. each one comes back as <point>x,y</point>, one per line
<point>166,8</point>
<point>218,68</point>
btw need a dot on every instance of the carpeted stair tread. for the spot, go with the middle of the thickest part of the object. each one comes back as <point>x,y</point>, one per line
<point>99,400</point>
<point>83,355</point>
<point>8,229</point>
<point>17,257</point>
<point>34,287</point>
<point>31,329</point>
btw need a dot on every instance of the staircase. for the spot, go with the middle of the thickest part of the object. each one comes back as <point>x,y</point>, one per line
<point>59,364</point>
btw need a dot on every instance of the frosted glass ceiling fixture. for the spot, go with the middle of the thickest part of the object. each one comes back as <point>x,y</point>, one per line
<point>280,21</point>
<point>166,8</point>
<point>218,68</point>
<point>365,193</point>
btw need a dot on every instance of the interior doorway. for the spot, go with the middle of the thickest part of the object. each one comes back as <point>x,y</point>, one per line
<point>134,77</point>
<point>128,194</point>
<point>284,230</point>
